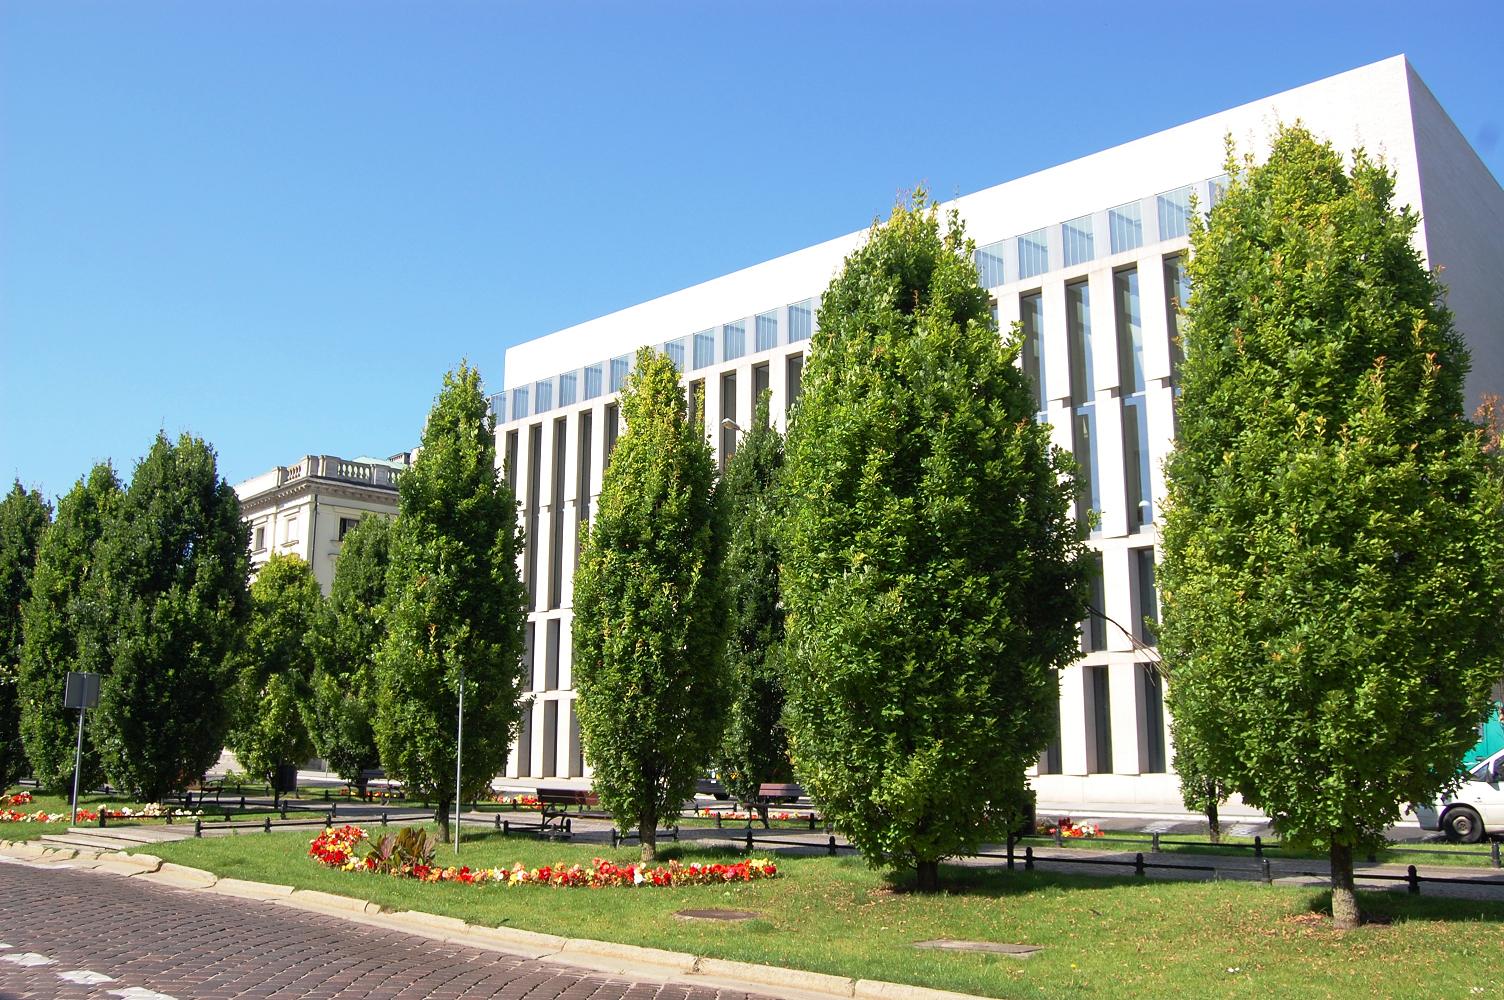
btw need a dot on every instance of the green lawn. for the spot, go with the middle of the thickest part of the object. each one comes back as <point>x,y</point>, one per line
<point>1101,937</point>
<point>1455,855</point>
<point>58,804</point>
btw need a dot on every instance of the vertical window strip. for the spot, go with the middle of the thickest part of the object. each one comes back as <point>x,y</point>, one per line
<point>543,398</point>
<point>767,331</point>
<point>704,349</point>
<point>592,381</point>
<point>1174,213</point>
<point>675,351</point>
<point>567,385</point>
<point>989,261</point>
<point>800,320</point>
<point>1078,241</point>
<point>519,403</point>
<point>1130,330</point>
<point>619,368</point>
<point>1078,328</point>
<point>1031,318</point>
<point>1033,253</point>
<point>1125,226</point>
<point>1136,463</point>
<point>733,341</point>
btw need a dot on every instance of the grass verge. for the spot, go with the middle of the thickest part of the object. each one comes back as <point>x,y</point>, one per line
<point>1101,937</point>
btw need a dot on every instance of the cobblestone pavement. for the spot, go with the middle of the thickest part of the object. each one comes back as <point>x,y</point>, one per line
<point>77,935</point>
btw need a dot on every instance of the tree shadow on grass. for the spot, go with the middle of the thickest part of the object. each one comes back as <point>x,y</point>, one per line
<point>1381,908</point>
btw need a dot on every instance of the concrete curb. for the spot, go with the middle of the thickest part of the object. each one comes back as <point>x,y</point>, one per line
<point>677,967</point>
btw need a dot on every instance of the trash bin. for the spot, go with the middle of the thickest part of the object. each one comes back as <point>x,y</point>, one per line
<point>286,779</point>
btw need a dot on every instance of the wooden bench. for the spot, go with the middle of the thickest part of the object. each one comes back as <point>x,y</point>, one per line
<point>205,791</point>
<point>555,805</point>
<point>774,794</point>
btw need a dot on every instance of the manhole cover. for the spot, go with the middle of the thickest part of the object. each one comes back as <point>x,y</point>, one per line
<point>717,915</point>
<point>990,947</point>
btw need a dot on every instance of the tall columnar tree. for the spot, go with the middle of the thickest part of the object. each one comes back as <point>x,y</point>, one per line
<point>1334,540</point>
<point>933,573</point>
<point>161,615</point>
<point>349,633</point>
<point>755,747</point>
<point>1200,788</point>
<point>51,630</point>
<point>456,607</point>
<point>274,668</point>
<point>24,517</point>
<point>650,610</point>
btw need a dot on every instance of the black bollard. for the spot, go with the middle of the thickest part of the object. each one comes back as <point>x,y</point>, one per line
<point>1138,864</point>
<point>1028,859</point>
<point>198,828</point>
<point>1258,847</point>
<point>266,825</point>
<point>831,846</point>
<point>1414,881</point>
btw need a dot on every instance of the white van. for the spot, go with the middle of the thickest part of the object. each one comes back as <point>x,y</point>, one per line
<point>1474,811</point>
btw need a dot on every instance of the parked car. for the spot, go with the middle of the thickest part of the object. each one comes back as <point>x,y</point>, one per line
<point>1474,811</point>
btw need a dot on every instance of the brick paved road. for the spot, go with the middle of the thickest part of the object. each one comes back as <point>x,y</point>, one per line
<point>152,940</point>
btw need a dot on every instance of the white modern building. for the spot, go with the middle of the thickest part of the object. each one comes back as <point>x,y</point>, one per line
<point>305,509</point>
<point>1089,257</point>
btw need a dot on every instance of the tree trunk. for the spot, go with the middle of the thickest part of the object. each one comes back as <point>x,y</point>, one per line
<point>441,816</point>
<point>929,876</point>
<point>647,835</point>
<point>1213,822</point>
<point>1345,915</point>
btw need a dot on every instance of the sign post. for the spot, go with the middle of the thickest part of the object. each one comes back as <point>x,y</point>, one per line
<point>80,692</point>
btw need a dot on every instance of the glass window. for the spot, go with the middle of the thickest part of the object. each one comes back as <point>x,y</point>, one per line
<point>1136,463</point>
<point>543,396</point>
<point>728,412</point>
<point>990,264</point>
<point>519,403</point>
<point>1033,253</point>
<point>704,348</point>
<point>1099,718</point>
<point>675,351</point>
<point>1125,226</point>
<point>759,384</point>
<point>1130,330</point>
<point>1078,241</point>
<point>1146,598</point>
<point>1031,318</point>
<point>1084,448</point>
<point>510,466</point>
<point>612,427</point>
<point>733,341</point>
<point>801,320</point>
<point>567,384</point>
<point>1175,213</point>
<point>1216,188</point>
<point>767,331</point>
<point>1078,330</point>
<point>1154,718</point>
<point>793,374</point>
<point>592,381</point>
<point>1094,628</point>
<point>498,404</point>
<point>619,368</point>
<point>1177,294</point>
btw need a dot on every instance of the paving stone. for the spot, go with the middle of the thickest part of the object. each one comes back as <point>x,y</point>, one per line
<point>206,946</point>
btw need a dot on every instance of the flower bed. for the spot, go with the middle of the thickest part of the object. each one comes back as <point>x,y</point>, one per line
<point>339,848</point>
<point>735,814</point>
<point>520,801</point>
<point>1070,829</point>
<point>152,810</point>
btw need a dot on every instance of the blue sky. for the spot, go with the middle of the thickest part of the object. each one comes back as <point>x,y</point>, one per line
<point>276,225</point>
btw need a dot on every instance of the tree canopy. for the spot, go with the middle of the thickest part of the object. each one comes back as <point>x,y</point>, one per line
<point>456,607</point>
<point>24,517</point>
<point>933,574</point>
<point>50,649</point>
<point>755,747</point>
<point>1333,538</point>
<point>161,614</point>
<point>650,610</point>
<point>348,635</point>
<point>274,668</point>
